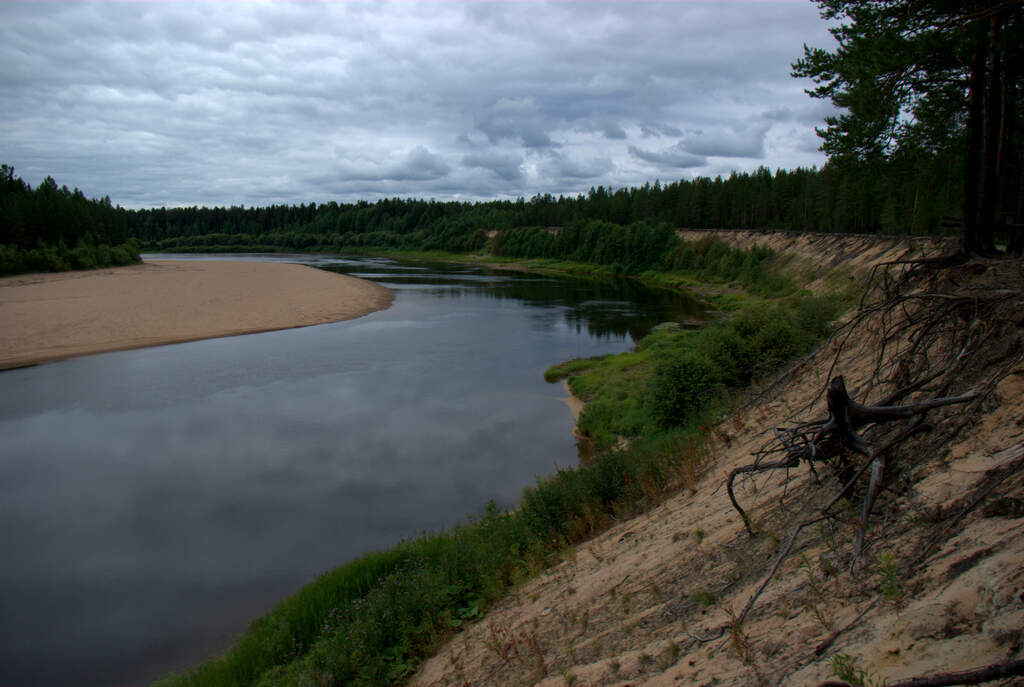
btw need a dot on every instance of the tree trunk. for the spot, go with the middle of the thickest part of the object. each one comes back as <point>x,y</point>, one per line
<point>1011,156</point>
<point>993,116</point>
<point>969,240</point>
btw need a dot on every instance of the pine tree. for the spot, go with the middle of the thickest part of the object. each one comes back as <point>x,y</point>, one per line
<point>926,76</point>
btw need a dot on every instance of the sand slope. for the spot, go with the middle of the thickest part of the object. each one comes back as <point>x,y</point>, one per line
<point>46,317</point>
<point>651,601</point>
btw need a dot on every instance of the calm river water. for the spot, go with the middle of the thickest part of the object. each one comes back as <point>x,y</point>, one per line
<point>153,501</point>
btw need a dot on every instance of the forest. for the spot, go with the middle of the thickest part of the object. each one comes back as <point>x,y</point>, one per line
<point>893,197</point>
<point>51,229</point>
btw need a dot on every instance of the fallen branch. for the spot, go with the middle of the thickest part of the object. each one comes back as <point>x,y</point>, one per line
<point>996,671</point>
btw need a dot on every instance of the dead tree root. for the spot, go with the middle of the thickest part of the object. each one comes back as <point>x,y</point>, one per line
<point>942,335</point>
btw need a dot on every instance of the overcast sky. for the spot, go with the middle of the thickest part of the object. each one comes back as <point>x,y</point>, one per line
<point>225,103</point>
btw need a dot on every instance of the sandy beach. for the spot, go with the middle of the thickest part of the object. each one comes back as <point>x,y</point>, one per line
<point>47,317</point>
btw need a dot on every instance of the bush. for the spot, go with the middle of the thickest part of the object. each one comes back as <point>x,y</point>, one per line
<point>50,257</point>
<point>682,382</point>
<point>732,355</point>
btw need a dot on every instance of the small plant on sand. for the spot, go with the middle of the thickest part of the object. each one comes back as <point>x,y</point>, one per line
<point>703,598</point>
<point>816,595</point>
<point>529,637</point>
<point>889,582</point>
<point>738,638</point>
<point>669,656</point>
<point>845,668</point>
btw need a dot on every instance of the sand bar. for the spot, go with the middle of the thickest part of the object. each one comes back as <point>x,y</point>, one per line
<point>47,317</point>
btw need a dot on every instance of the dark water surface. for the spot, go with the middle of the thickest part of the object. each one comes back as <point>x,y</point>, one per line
<point>153,501</point>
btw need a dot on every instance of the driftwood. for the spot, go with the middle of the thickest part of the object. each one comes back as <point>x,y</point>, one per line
<point>836,436</point>
<point>996,671</point>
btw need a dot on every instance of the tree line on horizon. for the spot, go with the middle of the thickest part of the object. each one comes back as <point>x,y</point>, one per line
<point>54,229</point>
<point>891,197</point>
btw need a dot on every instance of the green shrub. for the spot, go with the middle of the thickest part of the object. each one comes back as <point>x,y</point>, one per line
<point>682,383</point>
<point>57,257</point>
<point>731,354</point>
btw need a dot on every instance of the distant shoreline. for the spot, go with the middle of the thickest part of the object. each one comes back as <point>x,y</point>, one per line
<point>54,316</point>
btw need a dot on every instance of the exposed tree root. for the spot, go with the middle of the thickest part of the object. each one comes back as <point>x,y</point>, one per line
<point>942,334</point>
<point>830,439</point>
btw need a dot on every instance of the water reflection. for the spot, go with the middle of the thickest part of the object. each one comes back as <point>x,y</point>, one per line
<point>153,501</point>
<point>599,307</point>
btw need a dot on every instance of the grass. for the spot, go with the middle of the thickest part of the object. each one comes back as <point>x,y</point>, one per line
<point>845,668</point>
<point>890,582</point>
<point>704,598</point>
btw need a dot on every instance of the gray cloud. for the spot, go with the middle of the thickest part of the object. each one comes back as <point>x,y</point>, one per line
<point>507,166</point>
<point>221,103</point>
<point>728,142</point>
<point>418,164</point>
<point>657,131</point>
<point>675,157</point>
<point>515,119</point>
<point>562,167</point>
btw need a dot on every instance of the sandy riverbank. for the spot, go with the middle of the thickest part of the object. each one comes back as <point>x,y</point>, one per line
<point>47,317</point>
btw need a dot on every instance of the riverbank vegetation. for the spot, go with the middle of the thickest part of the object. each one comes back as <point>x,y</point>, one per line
<point>674,376</point>
<point>51,229</point>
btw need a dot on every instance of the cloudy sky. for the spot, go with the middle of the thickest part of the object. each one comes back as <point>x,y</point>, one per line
<point>225,103</point>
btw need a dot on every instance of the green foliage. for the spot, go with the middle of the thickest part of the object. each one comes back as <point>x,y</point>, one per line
<point>681,385</point>
<point>675,378</point>
<point>891,72</point>
<point>845,668</point>
<point>919,86</point>
<point>614,388</point>
<point>713,260</point>
<point>59,258</point>
<point>37,226</point>
<point>569,367</point>
<point>625,231</point>
<point>890,582</point>
<point>627,249</point>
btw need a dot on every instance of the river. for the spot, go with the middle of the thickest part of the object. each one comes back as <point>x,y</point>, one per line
<point>153,501</point>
